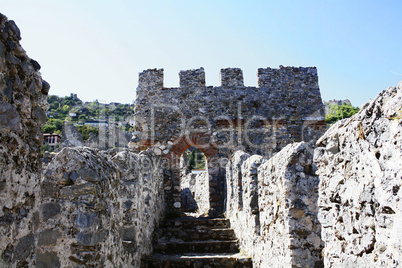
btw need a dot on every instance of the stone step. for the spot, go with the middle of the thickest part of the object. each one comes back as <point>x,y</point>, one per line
<point>230,246</point>
<point>200,234</point>
<point>197,260</point>
<point>192,223</point>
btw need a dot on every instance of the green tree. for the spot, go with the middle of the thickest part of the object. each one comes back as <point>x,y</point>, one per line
<point>58,123</point>
<point>85,130</point>
<point>53,126</point>
<point>338,112</point>
<point>196,159</point>
<point>82,117</point>
<point>49,129</point>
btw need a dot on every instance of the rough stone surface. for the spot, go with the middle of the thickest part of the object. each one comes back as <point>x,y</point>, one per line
<point>275,214</point>
<point>285,108</point>
<point>22,109</point>
<point>195,192</point>
<point>108,138</point>
<point>70,136</point>
<point>92,208</point>
<point>359,164</point>
<point>196,242</point>
<point>103,208</point>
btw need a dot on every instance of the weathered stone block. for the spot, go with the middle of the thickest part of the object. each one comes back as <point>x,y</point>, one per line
<point>231,77</point>
<point>50,210</point>
<point>47,260</point>
<point>9,117</point>
<point>48,237</point>
<point>92,238</point>
<point>3,185</point>
<point>49,188</point>
<point>24,248</point>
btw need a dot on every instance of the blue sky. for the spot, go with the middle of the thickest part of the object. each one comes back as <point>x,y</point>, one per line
<point>97,48</point>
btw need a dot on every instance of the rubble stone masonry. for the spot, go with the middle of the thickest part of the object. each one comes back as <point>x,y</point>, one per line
<point>359,164</point>
<point>286,107</point>
<point>289,203</point>
<point>272,206</point>
<point>23,103</point>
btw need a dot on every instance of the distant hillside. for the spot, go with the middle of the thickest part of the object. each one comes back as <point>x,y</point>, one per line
<point>75,111</point>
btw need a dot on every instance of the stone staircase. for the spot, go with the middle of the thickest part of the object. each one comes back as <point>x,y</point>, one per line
<point>196,242</point>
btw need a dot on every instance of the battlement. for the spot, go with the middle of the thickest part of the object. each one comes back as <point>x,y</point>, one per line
<point>269,77</point>
<point>192,78</point>
<point>230,77</point>
<point>150,79</point>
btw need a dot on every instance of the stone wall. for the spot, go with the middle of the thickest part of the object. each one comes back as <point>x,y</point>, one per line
<point>274,212</point>
<point>109,137</point>
<point>70,136</point>
<point>89,208</point>
<point>98,210</point>
<point>359,164</point>
<point>195,192</point>
<point>202,192</point>
<point>286,107</point>
<point>23,102</point>
<point>188,189</point>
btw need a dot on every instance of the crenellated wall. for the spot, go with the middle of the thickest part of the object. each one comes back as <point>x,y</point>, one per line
<point>285,108</point>
<point>92,208</point>
<point>272,206</point>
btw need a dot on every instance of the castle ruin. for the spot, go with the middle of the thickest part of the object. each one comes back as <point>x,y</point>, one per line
<point>289,201</point>
<point>286,107</point>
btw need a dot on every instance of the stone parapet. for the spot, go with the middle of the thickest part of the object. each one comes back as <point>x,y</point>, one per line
<point>276,222</point>
<point>150,79</point>
<point>94,202</point>
<point>285,108</point>
<point>192,78</point>
<point>231,78</point>
<point>359,164</point>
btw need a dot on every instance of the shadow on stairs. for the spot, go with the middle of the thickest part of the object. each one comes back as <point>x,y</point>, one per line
<point>196,242</point>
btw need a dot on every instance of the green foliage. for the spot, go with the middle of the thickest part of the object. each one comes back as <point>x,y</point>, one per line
<point>61,107</point>
<point>85,130</point>
<point>53,126</point>
<point>49,129</point>
<point>128,128</point>
<point>196,159</point>
<point>338,112</point>
<point>47,148</point>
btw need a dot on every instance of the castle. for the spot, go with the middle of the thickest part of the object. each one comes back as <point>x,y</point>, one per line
<point>292,195</point>
<point>286,107</point>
